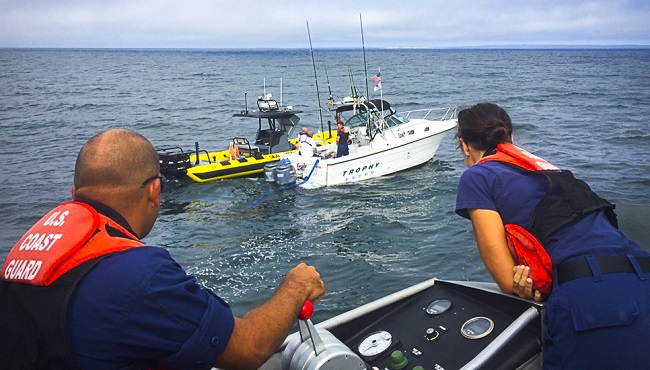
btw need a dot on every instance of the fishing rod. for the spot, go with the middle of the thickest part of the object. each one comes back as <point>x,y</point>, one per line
<point>313,63</point>
<point>353,87</point>
<point>330,104</point>
<point>330,99</point>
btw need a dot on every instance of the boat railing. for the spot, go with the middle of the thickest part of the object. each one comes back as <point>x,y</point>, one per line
<point>198,154</point>
<point>444,113</point>
<point>170,149</point>
<point>245,146</point>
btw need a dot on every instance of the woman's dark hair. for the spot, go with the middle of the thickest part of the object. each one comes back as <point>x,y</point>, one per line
<point>484,125</point>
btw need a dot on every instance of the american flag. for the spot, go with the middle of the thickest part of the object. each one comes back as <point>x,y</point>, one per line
<point>376,78</point>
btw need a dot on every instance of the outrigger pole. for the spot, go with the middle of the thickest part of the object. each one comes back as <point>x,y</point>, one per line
<point>365,70</point>
<point>313,63</point>
<point>365,65</point>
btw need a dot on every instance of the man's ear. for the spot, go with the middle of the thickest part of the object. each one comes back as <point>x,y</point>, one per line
<point>153,193</point>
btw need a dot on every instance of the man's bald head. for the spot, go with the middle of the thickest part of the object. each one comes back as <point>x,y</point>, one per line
<point>115,159</point>
<point>111,168</point>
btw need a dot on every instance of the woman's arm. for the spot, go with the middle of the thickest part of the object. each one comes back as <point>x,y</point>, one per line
<point>492,245</point>
<point>491,241</point>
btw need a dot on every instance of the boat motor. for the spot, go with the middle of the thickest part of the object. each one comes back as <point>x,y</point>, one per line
<point>270,172</point>
<point>174,162</point>
<point>285,174</point>
<point>317,349</point>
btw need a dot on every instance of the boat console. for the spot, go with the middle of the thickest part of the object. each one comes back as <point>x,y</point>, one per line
<point>435,325</point>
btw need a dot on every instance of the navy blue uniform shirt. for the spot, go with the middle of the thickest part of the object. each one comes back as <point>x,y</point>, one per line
<point>514,193</point>
<point>138,305</point>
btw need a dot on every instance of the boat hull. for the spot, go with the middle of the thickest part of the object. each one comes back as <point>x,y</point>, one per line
<point>215,169</point>
<point>396,151</point>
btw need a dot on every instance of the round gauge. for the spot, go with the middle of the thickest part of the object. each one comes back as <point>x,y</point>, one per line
<point>438,307</point>
<point>375,343</point>
<point>477,327</point>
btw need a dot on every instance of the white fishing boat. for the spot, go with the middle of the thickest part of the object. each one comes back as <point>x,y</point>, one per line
<point>383,142</point>
<point>441,325</point>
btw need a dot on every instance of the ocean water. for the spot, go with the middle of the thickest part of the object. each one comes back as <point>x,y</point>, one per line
<point>584,110</point>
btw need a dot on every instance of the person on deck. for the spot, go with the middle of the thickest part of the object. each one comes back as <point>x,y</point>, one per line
<point>543,234</point>
<point>306,144</point>
<point>342,140</point>
<point>80,290</point>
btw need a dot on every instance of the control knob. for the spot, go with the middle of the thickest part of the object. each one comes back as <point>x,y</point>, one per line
<point>431,334</point>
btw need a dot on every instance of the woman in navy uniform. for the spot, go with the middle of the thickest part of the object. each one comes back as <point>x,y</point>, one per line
<point>598,280</point>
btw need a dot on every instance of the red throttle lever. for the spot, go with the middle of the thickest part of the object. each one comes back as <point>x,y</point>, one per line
<point>308,330</point>
<point>306,311</point>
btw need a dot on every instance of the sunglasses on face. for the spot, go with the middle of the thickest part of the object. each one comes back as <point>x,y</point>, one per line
<point>152,178</point>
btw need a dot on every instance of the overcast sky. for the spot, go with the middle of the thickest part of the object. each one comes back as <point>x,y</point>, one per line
<point>333,23</point>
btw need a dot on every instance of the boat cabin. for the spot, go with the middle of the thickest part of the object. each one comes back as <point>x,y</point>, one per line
<point>275,126</point>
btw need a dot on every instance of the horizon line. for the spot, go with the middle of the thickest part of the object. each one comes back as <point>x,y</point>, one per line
<point>495,47</point>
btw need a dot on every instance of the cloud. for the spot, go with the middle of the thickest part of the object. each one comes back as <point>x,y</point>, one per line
<point>248,24</point>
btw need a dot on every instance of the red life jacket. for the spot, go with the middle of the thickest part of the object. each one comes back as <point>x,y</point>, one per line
<point>39,276</point>
<point>528,251</point>
<point>512,154</point>
<point>524,247</point>
<point>66,237</point>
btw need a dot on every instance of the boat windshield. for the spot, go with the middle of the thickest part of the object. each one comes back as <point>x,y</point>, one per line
<point>395,119</point>
<point>360,119</point>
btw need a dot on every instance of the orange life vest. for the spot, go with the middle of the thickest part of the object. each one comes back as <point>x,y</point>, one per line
<point>234,151</point>
<point>528,251</point>
<point>524,247</point>
<point>66,237</point>
<point>512,154</point>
